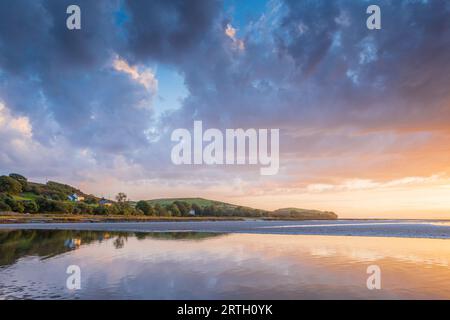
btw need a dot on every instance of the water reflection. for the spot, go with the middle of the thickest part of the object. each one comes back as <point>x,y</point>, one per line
<point>48,243</point>
<point>212,266</point>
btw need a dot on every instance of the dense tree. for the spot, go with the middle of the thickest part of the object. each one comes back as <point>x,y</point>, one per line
<point>152,211</point>
<point>53,198</point>
<point>19,178</point>
<point>18,207</point>
<point>101,210</point>
<point>4,207</point>
<point>125,209</point>
<point>62,207</point>
<point>44,204</point>
<point>34,189</point>
<point>82,208</point>
<point>173,209</point>
<point>198,210</point>
<point>63,189</point>
<point>30,206</point>
<point>184,207</point>
<point>10,185</point>
<point>91,199</point>
<point>12,203</point>
<point>48,205</point>
<point>55,195</point>
<point>145,207</point>
<point>160,210</point>
<point>122,204</point>
<point>121,197</point>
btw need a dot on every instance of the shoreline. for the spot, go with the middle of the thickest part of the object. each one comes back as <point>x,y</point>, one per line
<point>65,218</point>
<point>12,218</point>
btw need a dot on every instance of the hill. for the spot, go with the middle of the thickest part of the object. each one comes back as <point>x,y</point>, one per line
<point>17,194</point>
<point>201,202</point>
<point>304,214</point>
<point>232,209</point>
<point>201,207</point>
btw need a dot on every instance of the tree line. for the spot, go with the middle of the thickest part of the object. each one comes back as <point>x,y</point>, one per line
<point>15,191</point>
<point>52,198</point>
<point>183,209</point>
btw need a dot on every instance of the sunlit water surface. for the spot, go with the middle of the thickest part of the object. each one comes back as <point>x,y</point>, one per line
<point>219,266</point>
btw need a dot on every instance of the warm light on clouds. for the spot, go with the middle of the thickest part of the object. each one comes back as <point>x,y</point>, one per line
<point>231,33</point>
<point>428,202</point>
<point>364,184</point>
<point>18,125</point>
<point>145,77</point>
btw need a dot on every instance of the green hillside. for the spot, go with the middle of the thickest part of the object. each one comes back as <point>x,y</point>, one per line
<point>17,194</point>
<point>198,201</point>
<point>304,214</point>
<point>228,209</point>
<point>201,207</point>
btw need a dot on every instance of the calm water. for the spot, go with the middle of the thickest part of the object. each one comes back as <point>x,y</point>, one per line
<point>370,228</point>
<point>192,265</point>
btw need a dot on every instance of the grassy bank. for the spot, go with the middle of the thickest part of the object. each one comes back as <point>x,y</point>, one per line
<point>40,218</point>
<point>60,218</point>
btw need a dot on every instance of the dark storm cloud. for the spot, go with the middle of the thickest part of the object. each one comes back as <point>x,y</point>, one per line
<point>317,67</point>
<point>34,37</point>
<point>168,31</point>
<point>304,64</point>
<point>396,75</point>
<point>53,72</point>
<point>88,47</point>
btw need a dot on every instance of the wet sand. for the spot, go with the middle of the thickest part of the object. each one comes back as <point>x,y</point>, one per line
<point>368,228</point>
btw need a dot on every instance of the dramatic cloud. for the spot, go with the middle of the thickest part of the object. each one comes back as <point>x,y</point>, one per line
<point>145,77</point>
<point>168,31</point>
<point>231,33</point>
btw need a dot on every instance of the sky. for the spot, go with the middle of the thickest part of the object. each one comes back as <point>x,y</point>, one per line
<point>363,114</point>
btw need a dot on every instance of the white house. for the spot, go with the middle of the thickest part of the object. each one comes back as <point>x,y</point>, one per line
<point>105,202</point>
<point>75,198</point>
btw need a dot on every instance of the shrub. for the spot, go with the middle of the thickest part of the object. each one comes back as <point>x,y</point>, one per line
<point>113,209</point>
<point>160,210</point>
<point>18,206</point>
<point>77,210</point>
<point>145,207</point>
<point>198,210</point>
<point>151,212</point>
<point>123,208</point>
<point>90,199</point>
<point>101,210</point>
<point>63,207</point>
<point>183,207</point>
<point>33,189</point>
<point>44,204</point>
<point>10,185</point>
<point>4,207</point>
<point>82,208</point>
<point>173,210</point>
<point>61,188</point>
<point>30,206</point>
<point>55,195</point>
<point>47,205</point>
<point>19,178</point>
<point>12,203</point>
